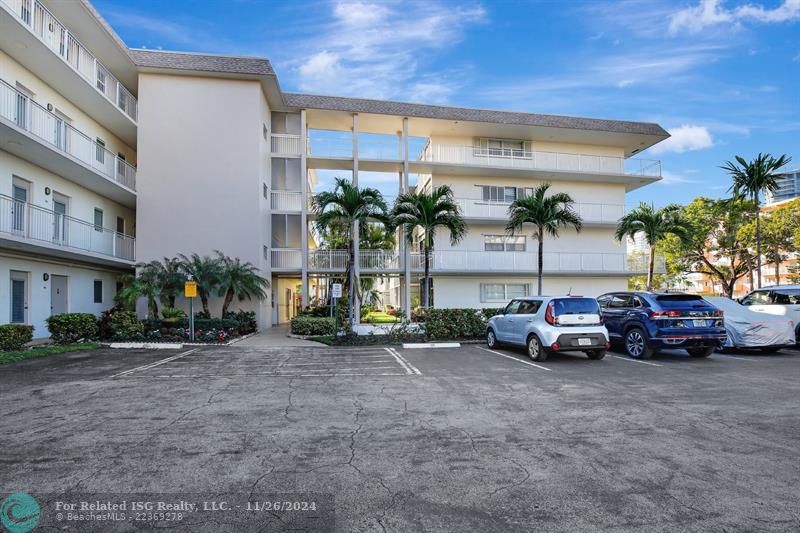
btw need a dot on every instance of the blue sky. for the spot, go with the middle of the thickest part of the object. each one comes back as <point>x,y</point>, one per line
<point>722,76</point>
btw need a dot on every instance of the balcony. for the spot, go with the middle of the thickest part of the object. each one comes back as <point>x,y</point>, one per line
<point>32,132</point>
<point>286,201</point>
<point>33,228</point>
<point>286,145</point>
<point>57,53</point>
<point>459,262</point>
<point>595,214</point>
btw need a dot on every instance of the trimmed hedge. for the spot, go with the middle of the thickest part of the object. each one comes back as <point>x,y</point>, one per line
<point>309,325</point>
<point>118,322</point>
<point>14,336</point>
<point>489,312</point>
<point>69,328</point>
<point>455,323</point>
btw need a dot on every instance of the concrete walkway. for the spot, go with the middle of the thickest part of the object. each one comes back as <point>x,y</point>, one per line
<point>275,336</point>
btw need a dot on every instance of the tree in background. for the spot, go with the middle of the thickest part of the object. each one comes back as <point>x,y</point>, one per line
<point>169,277</point>
<point>713,243</point>
<point>750,179</point>
<point>548,214</point>
<point>428,212</point>
<point>779,232</point>
<point>654,225</point>
<point>135,287</point>
<point>206,272</point>
<point>240,280</point>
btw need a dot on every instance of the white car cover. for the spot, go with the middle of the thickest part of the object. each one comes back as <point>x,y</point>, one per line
<point>749,329</point>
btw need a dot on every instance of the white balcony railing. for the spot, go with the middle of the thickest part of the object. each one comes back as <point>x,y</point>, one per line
<point>328,260</point>
<point>591,213</point>
<point>58,38</point>
<point>286,259</point>
<point>35,223</point>
<point>538,160</point>
<point>26,114</point>
<point>285,144</point>
<point>286,201</point>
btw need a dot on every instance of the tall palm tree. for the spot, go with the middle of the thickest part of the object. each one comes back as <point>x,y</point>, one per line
<point>134,287</point>
<point>429,211</point>
<point>655,225</point>
<point>169,276</point>
<point>206,272</point>
<point>548,214</point>
<point>344,207</point>
<point>751,179</point>
<point>240,280</point>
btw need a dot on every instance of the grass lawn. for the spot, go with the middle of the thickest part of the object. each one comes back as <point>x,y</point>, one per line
<point>44,351</point>
<point>324,339</point>
<point>379,317</point>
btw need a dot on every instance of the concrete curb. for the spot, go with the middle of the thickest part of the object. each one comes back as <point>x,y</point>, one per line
<point>147,345</point>
<point>411,345</point>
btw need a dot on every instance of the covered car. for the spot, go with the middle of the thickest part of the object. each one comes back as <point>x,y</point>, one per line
<point>750,329</point>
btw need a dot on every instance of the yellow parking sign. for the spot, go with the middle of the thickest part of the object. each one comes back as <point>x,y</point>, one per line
<point>190,289</point>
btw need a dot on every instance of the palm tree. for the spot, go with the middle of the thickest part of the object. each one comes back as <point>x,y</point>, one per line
<point>240,280</point>
<point>752,178</point>
<point>655,224</point>
<point>548,213</point>
<point>429,211</point>
<point>343,207</point>
<point>206,272</point>
<point>145,285</point>
<point>169,276</point>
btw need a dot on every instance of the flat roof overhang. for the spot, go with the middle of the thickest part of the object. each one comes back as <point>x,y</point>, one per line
<point>19,42</point>
<point>27,146</point>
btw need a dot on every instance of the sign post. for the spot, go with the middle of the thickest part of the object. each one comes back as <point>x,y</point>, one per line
<point>190,291</point>
<point>336,293</point>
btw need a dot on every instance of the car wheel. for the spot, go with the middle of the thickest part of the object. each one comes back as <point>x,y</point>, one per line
<point>636,344</point>
<point>535,349</point>
<point>701,352</point>
<point>491,339</point>
<point>596,355</point>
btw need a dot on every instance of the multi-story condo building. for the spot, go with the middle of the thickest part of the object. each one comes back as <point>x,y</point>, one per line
<point>788,187</point>
<point>111,156</point>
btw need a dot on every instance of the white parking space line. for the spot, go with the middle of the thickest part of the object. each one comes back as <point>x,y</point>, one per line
<point>153,365</point>
<point>635,361</point>
<point>411,369</point>
<point>734,357</point>
<point>517,360</point>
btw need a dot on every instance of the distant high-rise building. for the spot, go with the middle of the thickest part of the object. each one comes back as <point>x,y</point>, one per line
<point>788,187</point>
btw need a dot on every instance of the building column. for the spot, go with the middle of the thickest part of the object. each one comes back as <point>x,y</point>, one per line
<point>400,233</point>
<point>356,316</point>
<point>407,251</point>
<point>303,210</point>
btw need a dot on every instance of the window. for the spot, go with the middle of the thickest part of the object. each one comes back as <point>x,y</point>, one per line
<point>512,308</point>
<point>101,151</point>
<point>529,307</point>
<point>504,243</point>
<point>98,291</point>
<point>503,148</point>
<point>493,193</point>
<point>500,292</point>
<point>98,219</point>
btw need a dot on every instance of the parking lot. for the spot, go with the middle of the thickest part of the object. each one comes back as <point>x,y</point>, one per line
<point>462,439</point>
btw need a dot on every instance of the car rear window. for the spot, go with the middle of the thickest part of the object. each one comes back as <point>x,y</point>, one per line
<point>575,306</point>
<point>678,297</point>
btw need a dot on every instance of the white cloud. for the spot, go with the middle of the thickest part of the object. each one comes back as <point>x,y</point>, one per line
<point>708,13</point>
<point>668,178</point>
<point>685,138</point>
<point>374,50</point>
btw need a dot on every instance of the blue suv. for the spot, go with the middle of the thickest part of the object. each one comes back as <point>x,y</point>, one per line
<point>646,322</point>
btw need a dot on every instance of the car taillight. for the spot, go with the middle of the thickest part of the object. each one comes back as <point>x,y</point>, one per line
<point>608,345</point>
<point>667,314</point>
<point>548,314</point>
<point>554,347</point>
<point>719,313</point>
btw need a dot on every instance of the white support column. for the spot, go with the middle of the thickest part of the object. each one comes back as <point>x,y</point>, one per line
<point>357,264</point>
<point>303,210</point>
<point>407,252</point>
<point>401,232</point>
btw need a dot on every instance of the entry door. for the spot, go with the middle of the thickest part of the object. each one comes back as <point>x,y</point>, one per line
<point>22,108</point>
<point>58,295</point>
<point>59,221</point>
<point>20,195</point>
<point>121,249</point>
<point>19,297</point>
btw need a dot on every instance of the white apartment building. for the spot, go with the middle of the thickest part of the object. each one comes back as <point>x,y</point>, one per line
<point>788,187</point>
<point>111,156</point>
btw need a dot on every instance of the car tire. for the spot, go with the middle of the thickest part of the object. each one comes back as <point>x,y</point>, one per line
<point>491,339</point>
<point>701,352</point>
<point>596,355</point>
<point>535,349</point>
<point>636,344</point>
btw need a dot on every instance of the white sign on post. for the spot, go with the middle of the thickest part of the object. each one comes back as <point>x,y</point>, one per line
<point>336,290</point>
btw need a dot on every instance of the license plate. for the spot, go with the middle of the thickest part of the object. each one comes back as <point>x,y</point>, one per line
<point>584,342</point>
<point>700,323</point>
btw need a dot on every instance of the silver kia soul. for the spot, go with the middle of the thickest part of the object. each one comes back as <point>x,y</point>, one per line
<point>547,324</point>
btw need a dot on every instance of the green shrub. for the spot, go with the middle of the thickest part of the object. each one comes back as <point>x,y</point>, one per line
<point>379,317</point>
<point>455,323</point>
<point>246,319</point>
<point>172,312</point>
<point>308,325</point>
<point>68,328</point>
<point>120,324</point>
<point>14,336</point>
<point>316,310</point>
<point>489,312</point>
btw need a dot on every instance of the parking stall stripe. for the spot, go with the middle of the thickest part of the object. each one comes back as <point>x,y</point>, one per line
<point>153,365</point>
<point>517,360</point>
<point>411,369</point>
<point>635,361</point>
<point>734,357</point>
